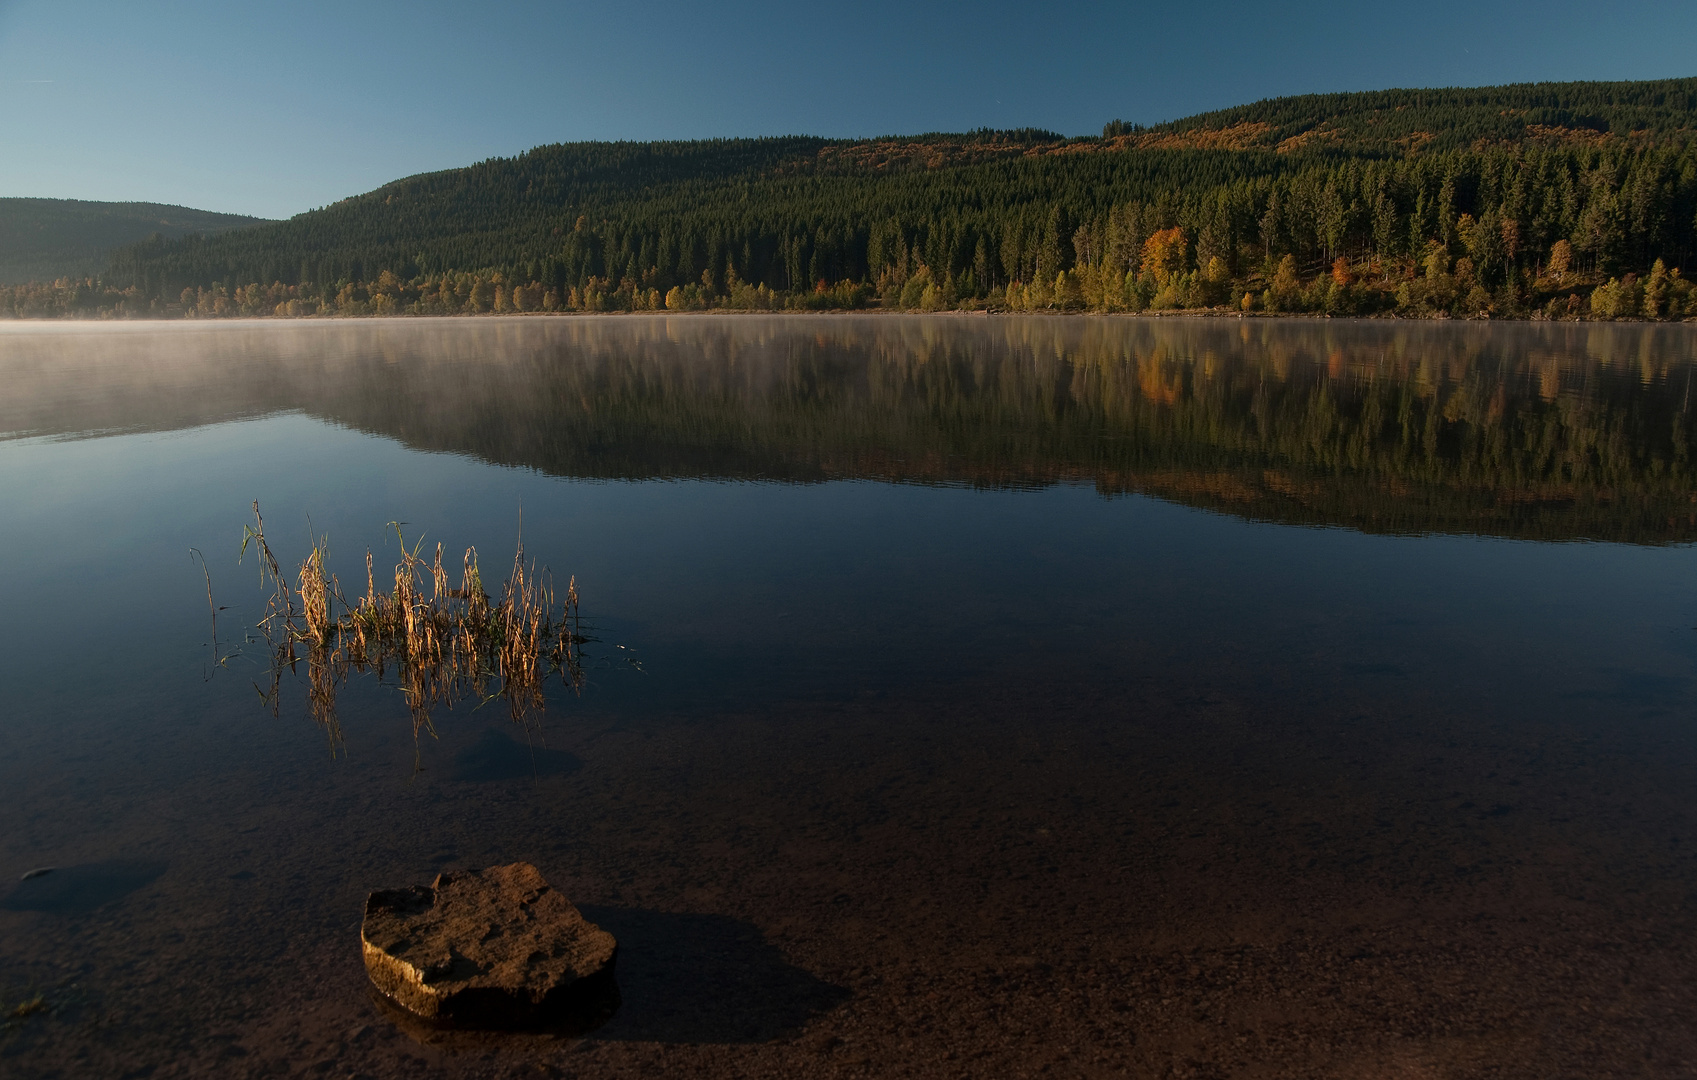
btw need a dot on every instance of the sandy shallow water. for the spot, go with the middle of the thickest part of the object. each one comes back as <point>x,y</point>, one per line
<point>1134,885</point>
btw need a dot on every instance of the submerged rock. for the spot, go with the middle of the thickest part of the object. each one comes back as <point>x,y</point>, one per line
<point>487,948</point>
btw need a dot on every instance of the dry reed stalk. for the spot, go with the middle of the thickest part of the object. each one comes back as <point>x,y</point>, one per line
<point>442,647</point>
<point>315,598</point>
<point>278,625</point>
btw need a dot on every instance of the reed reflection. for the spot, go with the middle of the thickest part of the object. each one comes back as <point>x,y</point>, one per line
<point>443,644</point>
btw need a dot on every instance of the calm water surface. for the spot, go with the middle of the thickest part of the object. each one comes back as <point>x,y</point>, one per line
<point>971,696</point>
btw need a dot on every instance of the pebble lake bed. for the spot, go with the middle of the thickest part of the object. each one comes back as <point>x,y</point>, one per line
<point>968,697</point>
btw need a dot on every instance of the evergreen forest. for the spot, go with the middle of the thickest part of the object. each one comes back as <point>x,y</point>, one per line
<point>1561,201</point>
<point>46,239</point>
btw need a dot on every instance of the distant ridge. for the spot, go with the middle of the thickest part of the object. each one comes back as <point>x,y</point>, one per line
<point>1548,200</point>
<point>1399,121</point>
<point>44,239</point>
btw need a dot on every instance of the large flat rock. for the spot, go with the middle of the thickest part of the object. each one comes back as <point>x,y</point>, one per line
<point>486,948</point>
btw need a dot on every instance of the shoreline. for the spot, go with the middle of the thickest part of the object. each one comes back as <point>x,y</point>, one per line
<point>1188,313</point>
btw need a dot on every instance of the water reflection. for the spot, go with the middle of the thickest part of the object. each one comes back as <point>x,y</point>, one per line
<point>1540,431</point>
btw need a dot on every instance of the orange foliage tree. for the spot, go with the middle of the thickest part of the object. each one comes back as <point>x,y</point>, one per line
<point>1164,254</point>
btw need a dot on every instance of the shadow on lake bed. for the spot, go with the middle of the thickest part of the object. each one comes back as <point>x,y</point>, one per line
<point>498,756</point>
<point>692,978</point>
<point>682,978</point>
<point>78,890</point>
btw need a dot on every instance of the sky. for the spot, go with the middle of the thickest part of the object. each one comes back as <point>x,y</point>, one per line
<point>273,110</point>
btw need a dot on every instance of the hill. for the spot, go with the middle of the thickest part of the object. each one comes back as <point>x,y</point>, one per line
<point>1507,201</point>
<point>1399,121</point>
<point>44,239</point>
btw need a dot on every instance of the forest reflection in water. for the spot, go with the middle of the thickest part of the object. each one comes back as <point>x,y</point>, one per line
<point>1553,431</point>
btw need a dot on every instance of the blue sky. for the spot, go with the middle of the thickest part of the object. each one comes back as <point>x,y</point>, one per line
<point>275,109</point>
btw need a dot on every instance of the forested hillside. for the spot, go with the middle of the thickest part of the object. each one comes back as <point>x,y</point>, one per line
<point>1554,200</point>
<point>1396,121</point>
<point>45,239</point>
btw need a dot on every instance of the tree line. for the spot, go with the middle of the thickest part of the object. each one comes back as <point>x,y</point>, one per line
<point>1592,221</point>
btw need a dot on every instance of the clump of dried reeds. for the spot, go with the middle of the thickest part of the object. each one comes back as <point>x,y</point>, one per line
<point>443,644</point>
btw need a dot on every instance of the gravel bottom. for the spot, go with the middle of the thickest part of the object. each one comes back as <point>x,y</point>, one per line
<point>1029,881</point>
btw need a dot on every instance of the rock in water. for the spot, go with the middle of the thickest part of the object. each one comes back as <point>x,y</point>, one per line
<point>486,948</point>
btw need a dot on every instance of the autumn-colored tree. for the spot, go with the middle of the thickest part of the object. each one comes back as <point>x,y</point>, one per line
<point>1164,254</point>
<point>1464,229</point>
<point>481,296</point>
<point>1340,271</point>
<point>1285,281</point>
<point>1561,259</point>
<point>1211,286</point>
<point>1510,232</point>
<point>1437,261</point>
<point>527,297</point>
<point>1656,291</point>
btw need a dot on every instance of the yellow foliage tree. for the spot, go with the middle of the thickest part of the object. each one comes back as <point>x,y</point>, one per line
<point>1286,284</point>
<point>1164,254</point>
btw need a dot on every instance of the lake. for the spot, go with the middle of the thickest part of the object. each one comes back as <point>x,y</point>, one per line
<point>969,696</point>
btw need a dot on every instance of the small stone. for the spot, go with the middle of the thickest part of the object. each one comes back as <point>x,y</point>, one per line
<point>486,948</point>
